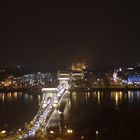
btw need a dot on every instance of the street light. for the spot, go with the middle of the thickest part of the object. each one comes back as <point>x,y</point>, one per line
<point>3,131</point>
<point>69,131</point>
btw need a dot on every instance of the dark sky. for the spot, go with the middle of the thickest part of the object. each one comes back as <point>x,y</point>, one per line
<point>42,34</point>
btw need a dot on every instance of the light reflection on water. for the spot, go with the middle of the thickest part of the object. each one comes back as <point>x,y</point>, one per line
<point>16,108</point>
<point>100,114</point>
<point>87,114</point>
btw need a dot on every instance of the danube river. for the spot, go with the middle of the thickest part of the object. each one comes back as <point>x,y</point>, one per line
<point>82,115</point>
<point>16,109</point>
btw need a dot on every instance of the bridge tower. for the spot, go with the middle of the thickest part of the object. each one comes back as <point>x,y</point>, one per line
<point>64,81</point>
<point>64,77</point>
<point>49,93</point>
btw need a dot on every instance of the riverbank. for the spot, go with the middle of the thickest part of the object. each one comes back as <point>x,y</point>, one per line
<point>107,88</point>
<point>37,90</point>
<point>34,90</point>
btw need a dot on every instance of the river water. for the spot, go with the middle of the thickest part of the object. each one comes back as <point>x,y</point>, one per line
<point>16,109</point>
<point>82,115</point>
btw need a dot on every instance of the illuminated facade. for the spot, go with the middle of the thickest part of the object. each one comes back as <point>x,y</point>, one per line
<point>78,66</point>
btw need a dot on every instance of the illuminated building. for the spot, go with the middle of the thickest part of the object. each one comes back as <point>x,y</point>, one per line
<point>78,66</point>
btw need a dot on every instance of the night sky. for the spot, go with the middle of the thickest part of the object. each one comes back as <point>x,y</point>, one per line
<point>42,34</point>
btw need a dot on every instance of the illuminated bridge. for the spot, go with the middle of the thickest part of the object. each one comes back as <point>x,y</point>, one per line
<point>51,99</point>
